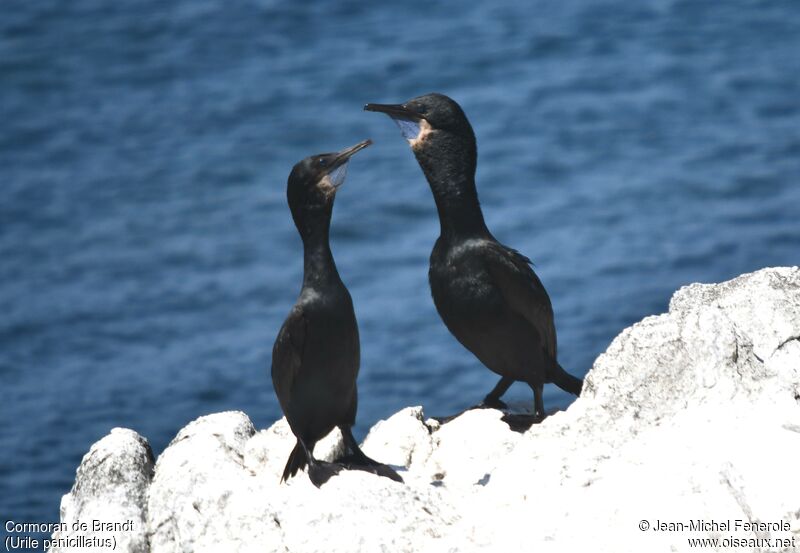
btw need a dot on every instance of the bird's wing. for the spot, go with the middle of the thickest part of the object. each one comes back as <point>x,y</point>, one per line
<point>511,272</point>
<point>287,353</point>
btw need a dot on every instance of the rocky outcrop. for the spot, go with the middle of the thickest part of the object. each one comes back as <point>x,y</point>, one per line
<point>111,486</point>
<point>690,417</point>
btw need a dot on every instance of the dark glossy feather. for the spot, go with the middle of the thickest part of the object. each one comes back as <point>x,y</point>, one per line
<point>524,293</point>
<point>287,354</point>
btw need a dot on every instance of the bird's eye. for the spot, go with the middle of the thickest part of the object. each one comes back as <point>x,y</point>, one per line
<point>422,110</point>
<point>322,162</point>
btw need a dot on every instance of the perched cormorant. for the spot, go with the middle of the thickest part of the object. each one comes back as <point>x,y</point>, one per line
<point>315,358</point>
<point>486,293</point>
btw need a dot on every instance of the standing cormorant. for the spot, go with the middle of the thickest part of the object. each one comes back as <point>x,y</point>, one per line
<point>486,293</point>
<point>315,358</point>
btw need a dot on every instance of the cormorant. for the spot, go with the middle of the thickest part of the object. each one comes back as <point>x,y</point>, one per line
<point>486,293</point>
<point>315,358</point>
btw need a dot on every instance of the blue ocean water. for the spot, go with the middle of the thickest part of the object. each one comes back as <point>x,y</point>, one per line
<point>148,258</point>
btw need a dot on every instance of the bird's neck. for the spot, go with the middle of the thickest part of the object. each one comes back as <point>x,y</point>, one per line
<point>319,267</point>
<point>452,180</point>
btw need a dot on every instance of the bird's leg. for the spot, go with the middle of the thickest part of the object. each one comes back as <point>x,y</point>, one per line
<point>351,446</point>
<point>358,460</point>
<point>492,399</point>
<point>521,423</point>
<point>538,401</point>
<point>319,472</point>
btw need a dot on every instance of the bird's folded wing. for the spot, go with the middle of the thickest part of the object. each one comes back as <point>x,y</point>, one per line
<point>523,291</point>
<point>287,353</point>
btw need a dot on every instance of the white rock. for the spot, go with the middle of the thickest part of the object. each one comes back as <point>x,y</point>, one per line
<point>402,440</point>
<point>195,478</point>
<point>768,317</point>
<point>467,448</point>
<point>111,486</point>
<point>693,415</point>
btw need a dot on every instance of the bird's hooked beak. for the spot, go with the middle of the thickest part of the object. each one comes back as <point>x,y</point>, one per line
<point>339,166</point>
<point>409,121</point>
<point>394,111</point>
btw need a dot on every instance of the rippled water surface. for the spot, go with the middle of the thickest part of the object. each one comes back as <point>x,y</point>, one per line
<point>148,258</point>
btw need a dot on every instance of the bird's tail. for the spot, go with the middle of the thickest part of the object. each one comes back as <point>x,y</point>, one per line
<point>561,378</point>
<point>297,460</point>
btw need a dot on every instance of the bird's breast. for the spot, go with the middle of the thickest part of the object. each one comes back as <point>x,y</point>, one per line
<point>461,285</point>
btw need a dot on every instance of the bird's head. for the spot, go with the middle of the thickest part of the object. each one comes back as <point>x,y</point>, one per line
<point>314,181</point>
<point>435,127</point>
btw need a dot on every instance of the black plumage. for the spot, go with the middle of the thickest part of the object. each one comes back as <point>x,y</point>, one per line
<point>316,356</point>
<point>486,293</point>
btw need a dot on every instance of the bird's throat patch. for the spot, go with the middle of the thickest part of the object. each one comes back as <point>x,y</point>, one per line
<point>425,130</point>
<point>414,131</point>
<point>338,175</point>
<point>326,185</point>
